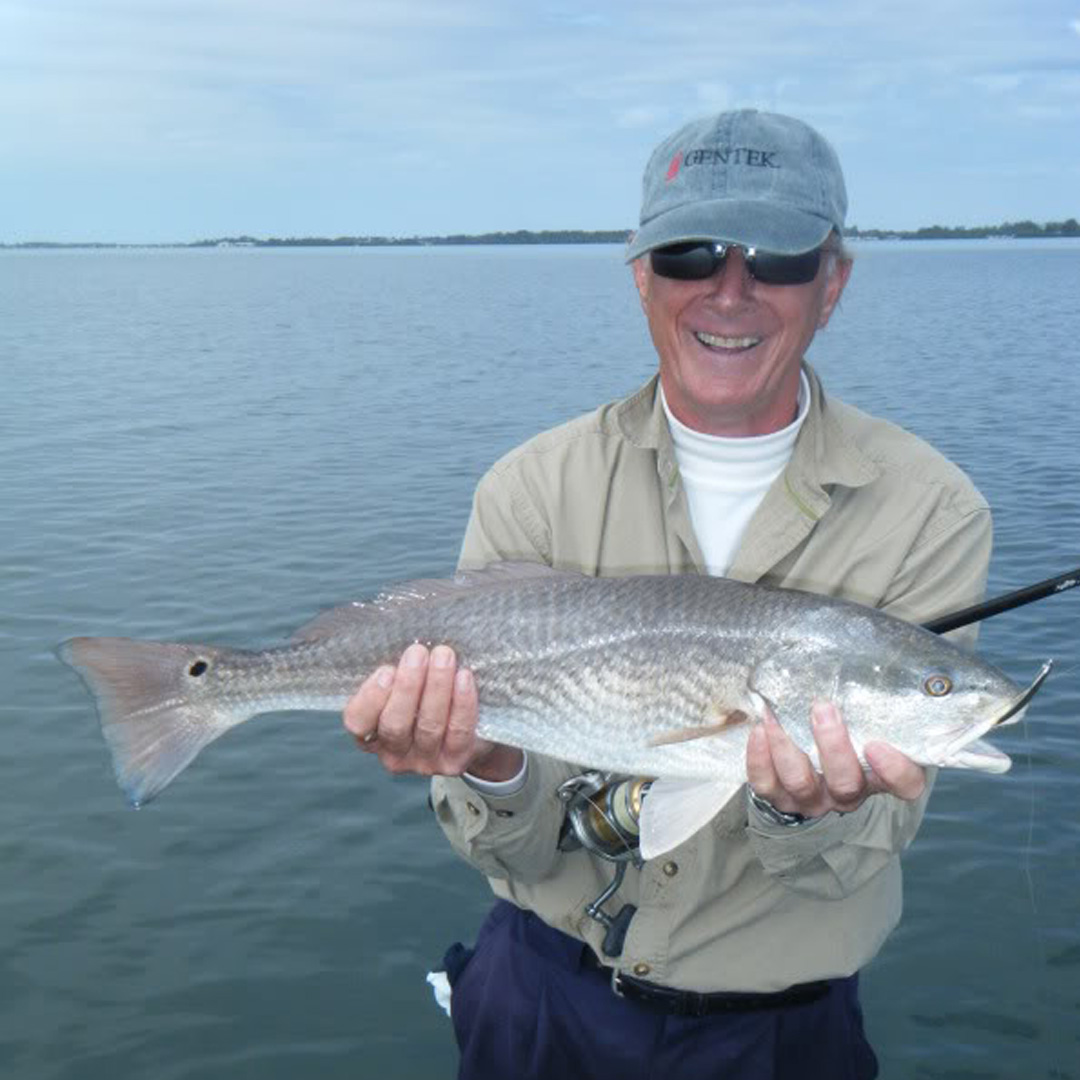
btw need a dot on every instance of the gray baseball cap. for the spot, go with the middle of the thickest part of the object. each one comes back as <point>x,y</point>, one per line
<point>745,177</point>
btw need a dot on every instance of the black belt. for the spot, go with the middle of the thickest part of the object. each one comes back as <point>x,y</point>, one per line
<point>691,1003</point>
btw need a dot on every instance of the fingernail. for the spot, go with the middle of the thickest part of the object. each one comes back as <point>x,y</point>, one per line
<point>414,655</point>
<point>385,677</point>
<point>824,715</point>
<point>464,679</point>
<point>441,656</point>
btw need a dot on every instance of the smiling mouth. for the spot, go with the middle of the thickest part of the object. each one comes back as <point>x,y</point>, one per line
<point>730,344</point>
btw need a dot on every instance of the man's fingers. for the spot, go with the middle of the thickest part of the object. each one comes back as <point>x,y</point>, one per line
<point>780,772</point>
<point>794,771</point>
<point>459,740</point>
<point>419,717</point>
<point>844,776</point>
<point>434,709</point>
<point>895,772</point>
<point>399,714</point>
<point>760,773</point>
<point>361,715</point>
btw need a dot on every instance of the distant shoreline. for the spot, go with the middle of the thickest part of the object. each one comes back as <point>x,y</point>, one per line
<point>1010,230</point>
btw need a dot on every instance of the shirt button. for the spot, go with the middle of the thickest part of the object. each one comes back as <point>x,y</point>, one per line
<point>473,809</point>
<point>641,970</point>
<point>671,868</point>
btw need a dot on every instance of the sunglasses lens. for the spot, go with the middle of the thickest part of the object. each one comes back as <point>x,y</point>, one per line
<point>697,261</point>
<point>686,262</point>
<point>772,269</point>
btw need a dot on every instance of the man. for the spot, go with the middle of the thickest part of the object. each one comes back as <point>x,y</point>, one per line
<point>741,958</point>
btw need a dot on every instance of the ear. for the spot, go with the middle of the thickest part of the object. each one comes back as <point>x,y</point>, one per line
<point>834,288</point>
<point>641,280</point>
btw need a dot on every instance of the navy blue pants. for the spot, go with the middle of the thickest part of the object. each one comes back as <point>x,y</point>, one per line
<point>527,1006</point>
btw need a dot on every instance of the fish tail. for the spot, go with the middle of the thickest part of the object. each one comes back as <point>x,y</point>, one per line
<point>154,715</point>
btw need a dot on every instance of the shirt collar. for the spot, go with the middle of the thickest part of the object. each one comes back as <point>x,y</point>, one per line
<point>824,454</point>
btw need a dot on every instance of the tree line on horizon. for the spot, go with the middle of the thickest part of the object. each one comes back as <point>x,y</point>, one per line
<point>1007,230</point>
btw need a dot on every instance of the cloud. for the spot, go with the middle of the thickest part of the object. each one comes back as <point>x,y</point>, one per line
<point>318,92</point>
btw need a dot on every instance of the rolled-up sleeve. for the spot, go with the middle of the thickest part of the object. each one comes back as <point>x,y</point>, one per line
<point>514,836</point>
<point>837,854</point>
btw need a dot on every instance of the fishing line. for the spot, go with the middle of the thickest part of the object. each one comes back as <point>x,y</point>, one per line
<point>1070,668</point>
<point>977,613</point>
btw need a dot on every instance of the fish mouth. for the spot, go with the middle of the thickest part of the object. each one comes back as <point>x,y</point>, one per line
<point>1012,712</point>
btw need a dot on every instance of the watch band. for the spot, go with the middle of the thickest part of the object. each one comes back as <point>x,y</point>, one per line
<point>770,812</point>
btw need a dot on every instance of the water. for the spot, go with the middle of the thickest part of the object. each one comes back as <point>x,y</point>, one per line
<point>216,444</point>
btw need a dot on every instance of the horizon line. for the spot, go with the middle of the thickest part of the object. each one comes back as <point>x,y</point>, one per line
<point>1012,230</point>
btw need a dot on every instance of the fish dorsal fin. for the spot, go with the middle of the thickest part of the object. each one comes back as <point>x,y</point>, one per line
<point>492,578</point>
<point>674,810</point>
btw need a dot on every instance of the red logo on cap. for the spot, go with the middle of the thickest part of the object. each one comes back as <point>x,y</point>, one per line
<point>673,168</point>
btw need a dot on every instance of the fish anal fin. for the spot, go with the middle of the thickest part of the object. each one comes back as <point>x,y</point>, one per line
<point>674,810</point>
<point>725,723</point>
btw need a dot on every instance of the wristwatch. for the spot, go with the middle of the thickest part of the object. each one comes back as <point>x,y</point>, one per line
<point>770,813</point>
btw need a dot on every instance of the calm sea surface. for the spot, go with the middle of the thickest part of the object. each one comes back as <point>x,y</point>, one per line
<point>214,445</point>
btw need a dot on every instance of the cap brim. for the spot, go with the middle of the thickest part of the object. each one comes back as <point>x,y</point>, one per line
<point>750,222</point>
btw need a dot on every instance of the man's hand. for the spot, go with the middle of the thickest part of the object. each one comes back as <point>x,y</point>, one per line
<point>420,717</point>
<point>781,773</point>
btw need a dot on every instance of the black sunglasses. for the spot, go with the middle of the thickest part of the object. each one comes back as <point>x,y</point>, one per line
<point>700,259</point>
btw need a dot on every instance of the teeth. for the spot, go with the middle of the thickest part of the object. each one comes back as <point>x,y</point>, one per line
<point>717,342</point>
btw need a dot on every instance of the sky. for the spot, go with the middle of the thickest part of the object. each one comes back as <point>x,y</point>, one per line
<point>151,121</point>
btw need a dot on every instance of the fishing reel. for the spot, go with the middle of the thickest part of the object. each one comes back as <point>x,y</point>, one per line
<point>603,814</point>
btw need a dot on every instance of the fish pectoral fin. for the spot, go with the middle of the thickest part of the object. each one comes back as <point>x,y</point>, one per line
<point>979,755</point>
<point>687,734</point>
<point>674,810</point>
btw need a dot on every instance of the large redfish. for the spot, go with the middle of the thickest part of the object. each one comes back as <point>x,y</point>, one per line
<point>653,676</point>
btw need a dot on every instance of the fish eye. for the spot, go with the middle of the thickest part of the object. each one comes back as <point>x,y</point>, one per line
<point>199,667</point>
<point>938,685</point>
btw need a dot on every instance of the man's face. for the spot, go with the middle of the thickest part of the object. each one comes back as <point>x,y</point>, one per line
<point>730,347</point>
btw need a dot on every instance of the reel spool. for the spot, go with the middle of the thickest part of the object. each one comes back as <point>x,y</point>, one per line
<point>603,813</point>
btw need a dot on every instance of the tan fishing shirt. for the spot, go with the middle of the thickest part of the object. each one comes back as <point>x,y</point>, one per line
<point>863,510</point>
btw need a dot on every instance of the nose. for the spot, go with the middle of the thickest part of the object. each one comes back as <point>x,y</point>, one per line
<point>731,283</point>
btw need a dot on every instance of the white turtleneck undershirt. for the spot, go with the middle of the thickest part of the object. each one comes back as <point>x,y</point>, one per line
<point>725,479</point>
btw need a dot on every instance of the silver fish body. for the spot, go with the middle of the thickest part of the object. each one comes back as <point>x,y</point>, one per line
<point>657,675</point>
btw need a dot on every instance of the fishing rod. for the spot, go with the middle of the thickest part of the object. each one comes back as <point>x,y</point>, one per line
<point>1007,602</point>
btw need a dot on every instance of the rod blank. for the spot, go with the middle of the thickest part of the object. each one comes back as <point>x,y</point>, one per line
<point>988,608</point>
